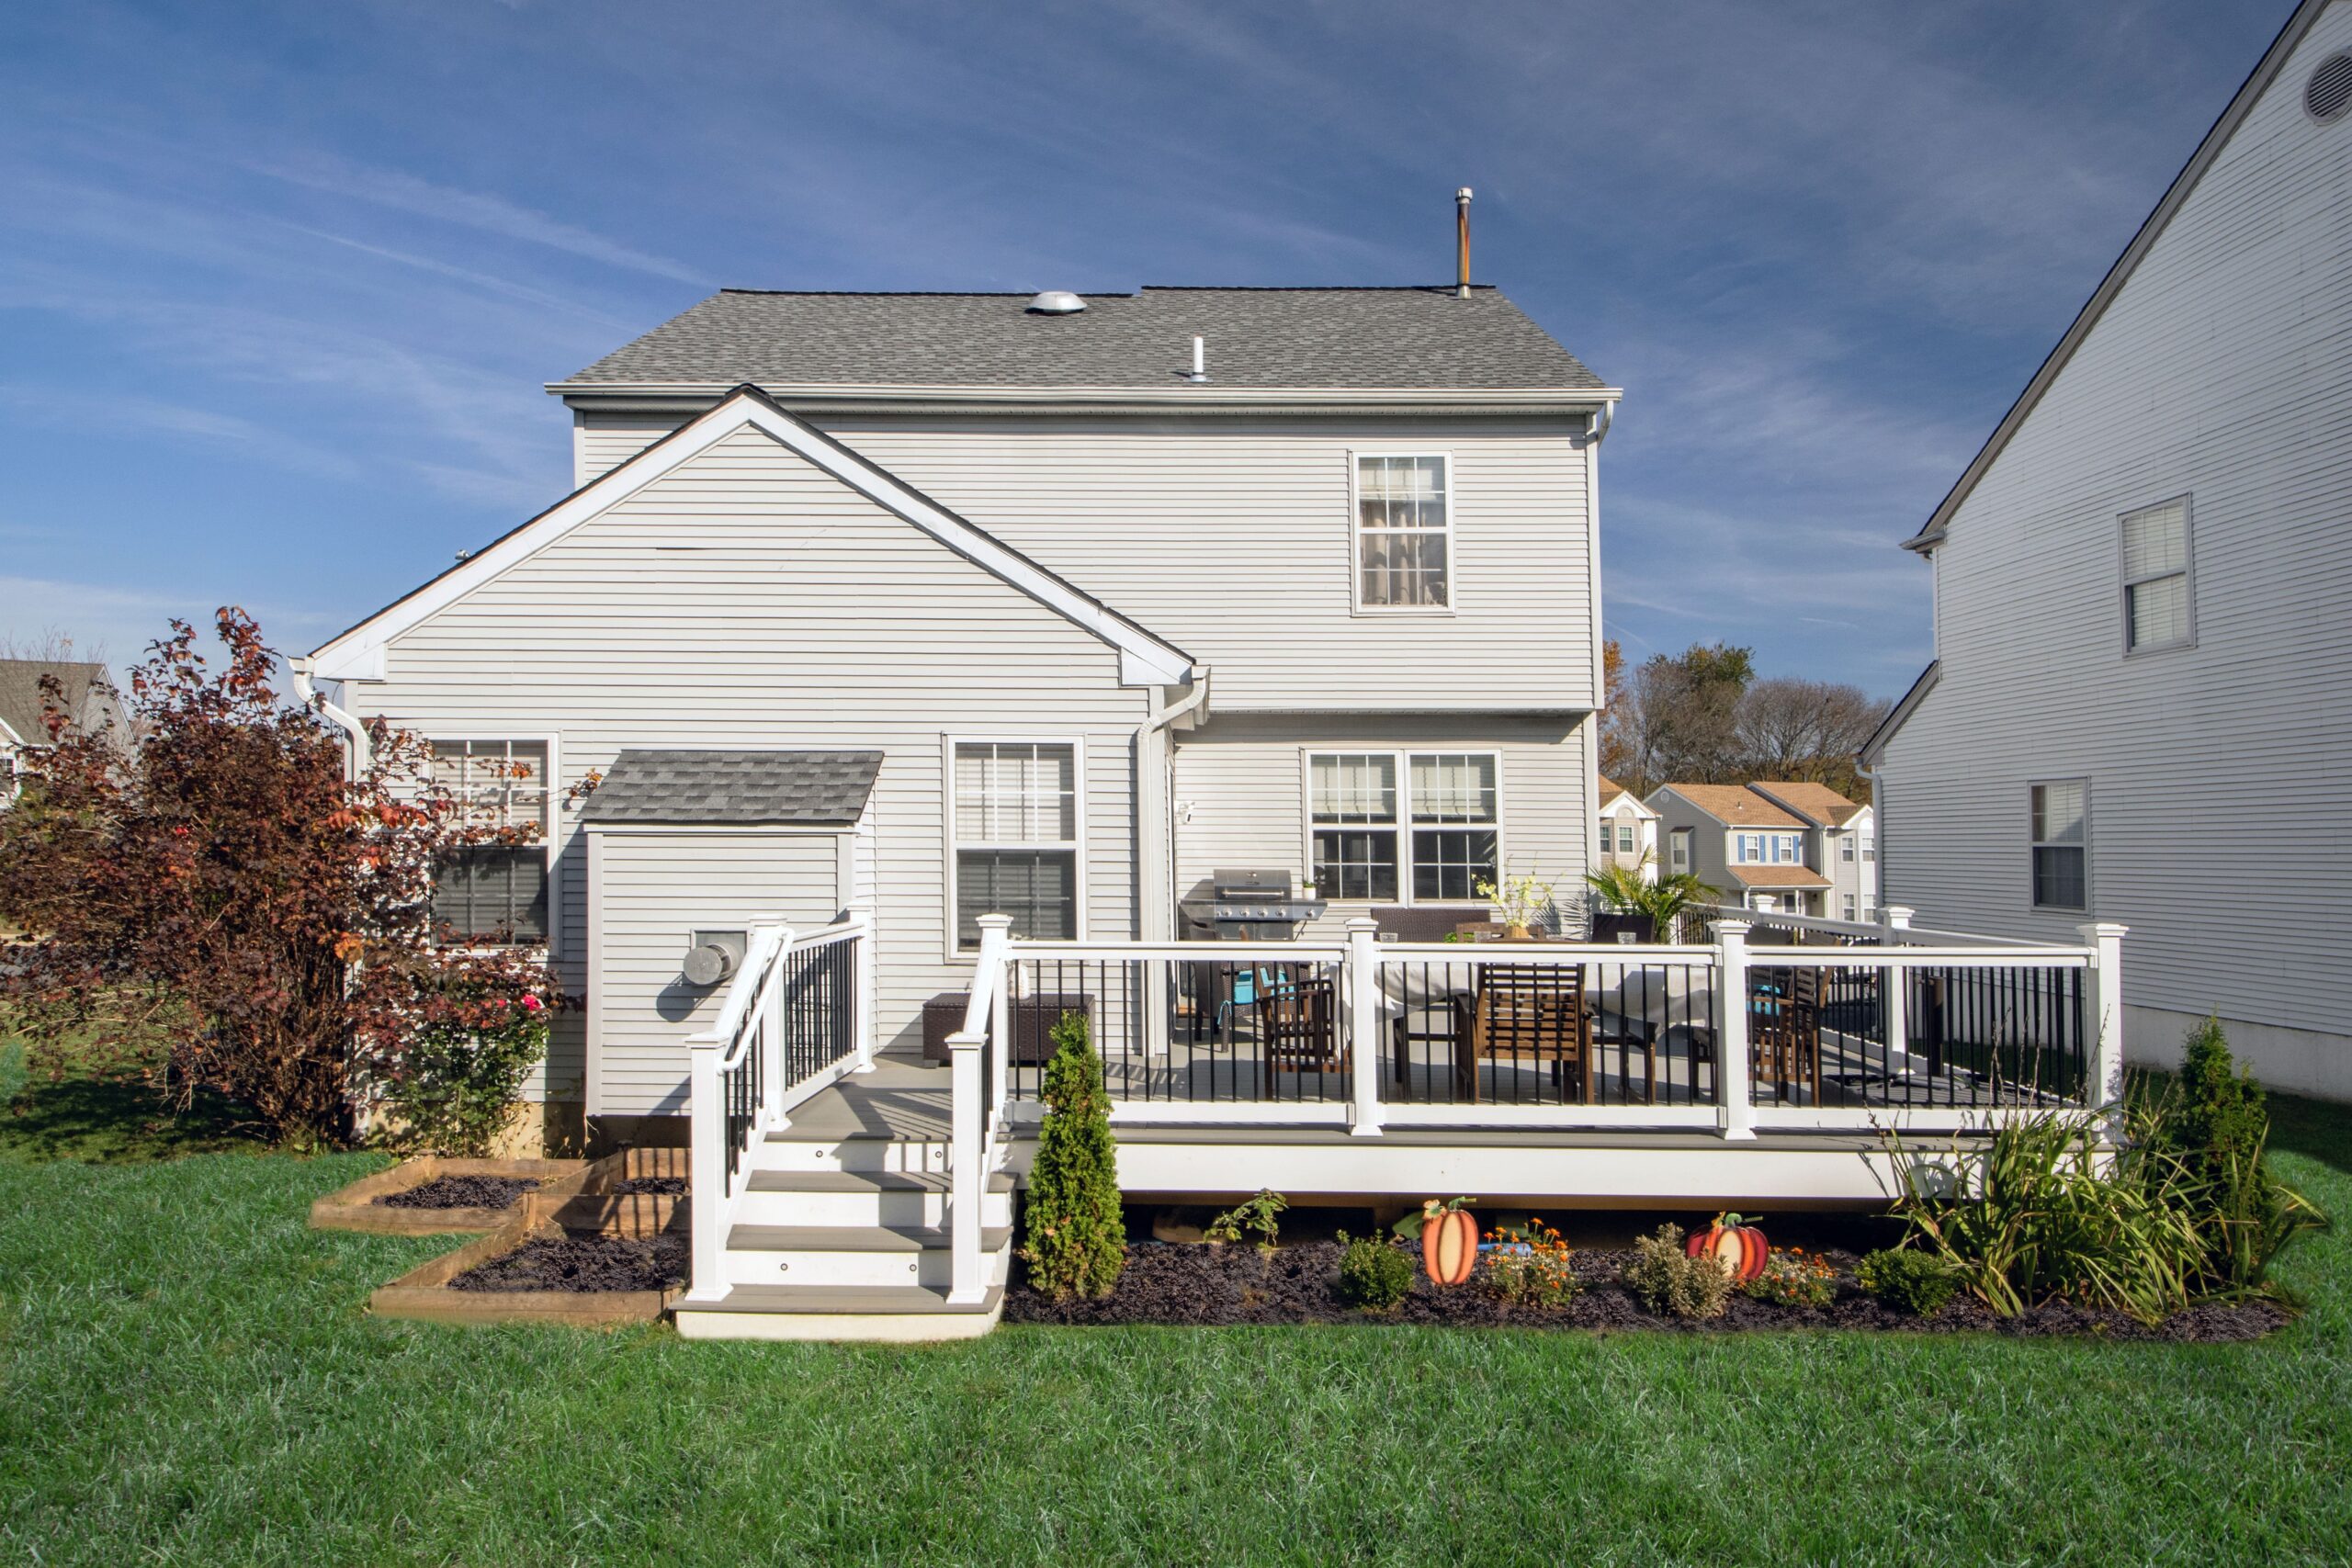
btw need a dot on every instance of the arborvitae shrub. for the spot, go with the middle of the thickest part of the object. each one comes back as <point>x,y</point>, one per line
<point>1078,1240</point>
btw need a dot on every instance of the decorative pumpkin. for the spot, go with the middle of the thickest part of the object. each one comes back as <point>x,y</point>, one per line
<point>1740,1249</point>
<point>1449,1243</point>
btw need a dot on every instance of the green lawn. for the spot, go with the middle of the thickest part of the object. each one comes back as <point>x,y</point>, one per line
<point>186,1375</point>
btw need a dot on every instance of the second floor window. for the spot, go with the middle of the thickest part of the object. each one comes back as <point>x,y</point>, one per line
<point>1404,534</point>
<point>1769,848</point>
<point>1016,839</point>
<point>1373,814</point>
<point>2156,577</point>
<point>1846,846</point>
<point>496,890</point>
<point>1677,851</point>
<point>2061,845</point>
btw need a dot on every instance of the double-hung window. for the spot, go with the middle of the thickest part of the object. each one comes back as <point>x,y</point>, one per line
<point>1373,814</point>
<point>2061,845</point>
<point>1016,837</point>
<point>1846,847</point>
<point>495,889</point>
<point>1677,851</point>
<point>1404,534</point>
<point>2156,610</point>
<point>1769,849</point>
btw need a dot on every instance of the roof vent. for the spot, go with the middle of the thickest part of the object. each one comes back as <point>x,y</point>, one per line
<point>2328,94</point>
<point>1057,302</point>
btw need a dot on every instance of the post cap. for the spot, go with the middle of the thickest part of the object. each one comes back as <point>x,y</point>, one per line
<point>996,922</point>
<point>1362,923</point>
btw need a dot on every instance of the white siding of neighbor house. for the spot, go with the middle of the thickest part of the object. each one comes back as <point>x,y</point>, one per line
<point>2221,774</point>
<point>1231,537</point>
<point>749,599</point>
<point>1240,793</point>
<point>655,888</point>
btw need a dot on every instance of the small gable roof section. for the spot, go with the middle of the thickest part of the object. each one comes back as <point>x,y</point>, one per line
<point>748,788</point>
<point>1816,803</point>
<point>1737,806</point>
<point>1335,339</point>
<point>1614,796</point>
<point>1145,660</point>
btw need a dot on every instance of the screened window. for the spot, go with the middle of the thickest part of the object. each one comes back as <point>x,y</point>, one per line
<point>1016,839</point>
<point>495,890</point>
<point>1404,534</point>
<point>2156,577</point>
<point>1373,815</point>
<point>2061,843</point>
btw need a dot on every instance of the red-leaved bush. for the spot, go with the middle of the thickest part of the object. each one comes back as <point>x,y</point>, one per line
<point>224,887</point>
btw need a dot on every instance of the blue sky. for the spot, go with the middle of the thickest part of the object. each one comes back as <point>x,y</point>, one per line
<point>279,284</point>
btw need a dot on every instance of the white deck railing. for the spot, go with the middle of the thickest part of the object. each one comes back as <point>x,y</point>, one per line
<point>798,1014</point>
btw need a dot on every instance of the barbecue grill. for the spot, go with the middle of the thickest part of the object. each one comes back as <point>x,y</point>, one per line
<point>1248,906</point>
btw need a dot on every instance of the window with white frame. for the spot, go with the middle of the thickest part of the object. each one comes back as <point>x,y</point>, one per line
<point>1677,851</point>
<point>1015,837</point>
<point>1769,849</point>
<point>1846,847</point>
<point>1374,814</point>
<point>494,890</point>
<point>1870,844</point>
<point>1848,902</point>
<point>2156,612</point>
<point>1625,837</point>
<point>2061,844</point>
<point>1607,835</point>
<point>1404,533</point>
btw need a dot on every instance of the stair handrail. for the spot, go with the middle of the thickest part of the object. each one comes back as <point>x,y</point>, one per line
<point>970,1109</point>
<point>716,1052</point>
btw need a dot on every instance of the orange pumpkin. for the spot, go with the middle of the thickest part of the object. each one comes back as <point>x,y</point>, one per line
<point>1740,1249</point>
<point>1448,1245</point>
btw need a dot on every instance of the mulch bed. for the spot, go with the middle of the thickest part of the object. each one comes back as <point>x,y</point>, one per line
<point>584,1263</point>
<point>650,1187</point>
<point>1189,1285</point>
<point>461,1192</point>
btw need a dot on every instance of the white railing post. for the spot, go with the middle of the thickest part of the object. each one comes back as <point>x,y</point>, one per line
<point>966,1176</point>
<point>769,1006</point>
<point>861,969</point>
<point>2104,939</point>
<point>1739,1119</point>
<point>1897,991</point>
<point>707,1171</point>
<point>1363,1027</point>
<point>994,971</point>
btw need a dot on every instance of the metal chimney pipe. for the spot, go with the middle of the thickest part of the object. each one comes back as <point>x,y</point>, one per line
<point>1462,243</point>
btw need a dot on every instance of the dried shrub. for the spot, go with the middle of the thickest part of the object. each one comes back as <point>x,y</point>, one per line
<point>1667,1279</point>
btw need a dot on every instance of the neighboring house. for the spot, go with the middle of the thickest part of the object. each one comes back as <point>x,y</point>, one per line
<point>1628,831</point>
<point>2142,606</point>
<point>1802,849</point>
<point>86,696</point>
<point>1108,629</point>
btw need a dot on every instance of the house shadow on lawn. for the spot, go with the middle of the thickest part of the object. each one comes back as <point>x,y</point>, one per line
<point>2316,1129</point>
<point>106,1120</point>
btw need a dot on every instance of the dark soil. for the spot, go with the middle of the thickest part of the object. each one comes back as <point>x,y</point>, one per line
<point>651,1185</point>
<point>581,1263</point>
<point>461,1192</point>
<point>1217,1285</point>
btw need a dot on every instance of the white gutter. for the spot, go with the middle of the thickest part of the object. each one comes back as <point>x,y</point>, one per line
<point>361,758</point>
<point>1183,395</point>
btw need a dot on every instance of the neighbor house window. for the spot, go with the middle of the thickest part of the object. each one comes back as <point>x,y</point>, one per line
<point>1605,832</point>
<point>496,890</point>
<point>1015,831</point>
<point>1769,848</point>
<point>2061,841</point>
<point>1625,837</point>
<point>1404,534</point>
<point>2156,577</point>
<point>1374,814</point>
<point>1849,902</point>
<point>1677,851</point>
<point>1870,844</point>
<point>1846,846</point>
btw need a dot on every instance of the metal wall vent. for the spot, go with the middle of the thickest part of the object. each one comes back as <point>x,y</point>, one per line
<point>2328,94</point>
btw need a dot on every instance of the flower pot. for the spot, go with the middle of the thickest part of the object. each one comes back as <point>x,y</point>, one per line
<point>1517,934</point>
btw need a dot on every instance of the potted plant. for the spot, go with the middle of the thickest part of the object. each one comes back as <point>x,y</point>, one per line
<point>1648,910</point>
<point>1522,901</point>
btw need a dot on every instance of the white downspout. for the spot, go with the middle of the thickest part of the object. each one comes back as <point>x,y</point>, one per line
<point>360,755</point>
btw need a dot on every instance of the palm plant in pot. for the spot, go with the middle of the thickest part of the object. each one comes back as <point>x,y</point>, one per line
<point>1628,890</point>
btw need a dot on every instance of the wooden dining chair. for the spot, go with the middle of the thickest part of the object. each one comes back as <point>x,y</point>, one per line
<point>1784,1031</point>
<point>1526,1014</point>
<point>1297,1025</point>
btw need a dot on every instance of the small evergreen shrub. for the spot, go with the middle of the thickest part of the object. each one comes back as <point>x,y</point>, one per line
<point>1374,1274</point>
<point>1077,1241</point>
<point>1665,1279</point>
<point>1912,1280</point>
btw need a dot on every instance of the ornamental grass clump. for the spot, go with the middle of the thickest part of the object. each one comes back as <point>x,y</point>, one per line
<point>1077,1238</point>
<point>1667,1279</point>
<point>1374,1274</point>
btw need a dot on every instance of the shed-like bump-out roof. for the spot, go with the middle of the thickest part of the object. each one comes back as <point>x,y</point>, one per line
<point>812,789</point>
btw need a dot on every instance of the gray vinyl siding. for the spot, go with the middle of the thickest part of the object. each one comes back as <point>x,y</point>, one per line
<point>655,889</point>
<point>1231,537</point>
<point>1240,793</point>
<point>749,599</point>
<point>2219,775</point>
<point>1710,843</point>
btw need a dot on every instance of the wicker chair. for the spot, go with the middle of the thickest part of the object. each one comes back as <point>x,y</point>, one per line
<point>1525,1014</point>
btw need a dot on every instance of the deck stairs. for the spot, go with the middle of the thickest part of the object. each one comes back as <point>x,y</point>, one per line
<point>841,1231</point>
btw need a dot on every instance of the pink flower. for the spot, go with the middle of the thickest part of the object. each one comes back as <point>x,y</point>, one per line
<point>533,1004</point>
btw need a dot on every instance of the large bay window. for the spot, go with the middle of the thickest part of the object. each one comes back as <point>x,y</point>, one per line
<point>1404,534</point>
<point>1014,838</point>
<point>1375,814</point>
<point>496,890</point>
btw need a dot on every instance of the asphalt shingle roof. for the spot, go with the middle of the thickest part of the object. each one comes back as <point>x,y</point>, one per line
<point>1817,802</point>
<point>20,693</point>
<point>1335,338</point>
<point>790,788</point>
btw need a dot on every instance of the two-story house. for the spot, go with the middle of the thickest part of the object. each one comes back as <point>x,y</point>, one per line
<point>1628,831</point>
<point>1802,849</point>
<point>2143,586</point>
<point>925,606</point>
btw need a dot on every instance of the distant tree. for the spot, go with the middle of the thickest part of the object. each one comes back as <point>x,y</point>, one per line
<point>1616,745</point>
<point>1680,717</point>
<point>52,646</point>
<point>1806,731</point>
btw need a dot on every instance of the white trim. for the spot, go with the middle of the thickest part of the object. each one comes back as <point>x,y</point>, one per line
<point>786,830</point>
<point>1563,400</point>
<point>1468,1118</point>
<point>1404,826</point>
<point>1356,459</point>
<point>1145,660</point>
<point>947,745</point>
<point>591,1049</point>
